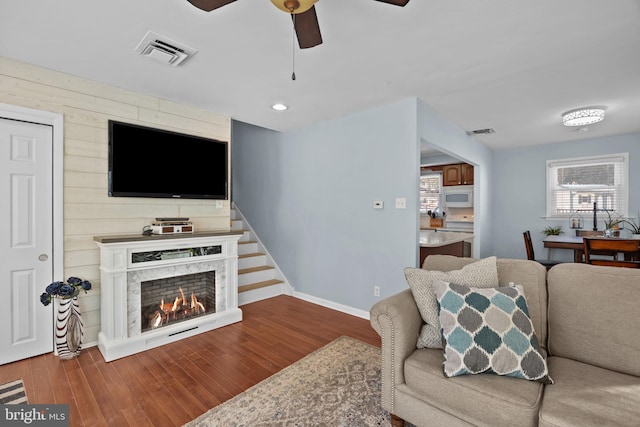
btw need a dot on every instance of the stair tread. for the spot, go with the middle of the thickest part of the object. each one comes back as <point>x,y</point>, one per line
<point>254,269</point>
<point>245,242</point>
<point>252,254</point>
<point>258,285</point>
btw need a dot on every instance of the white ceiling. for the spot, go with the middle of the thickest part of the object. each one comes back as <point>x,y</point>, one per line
<point>511,65</point>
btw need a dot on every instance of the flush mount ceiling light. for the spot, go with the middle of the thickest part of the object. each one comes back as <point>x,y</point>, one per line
<point>279,107</point>
<point>583,116</point>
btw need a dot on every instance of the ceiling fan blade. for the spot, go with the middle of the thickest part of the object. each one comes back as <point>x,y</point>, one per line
<point>395,2</point>
<point>307,28</point>
<point>209,5</point>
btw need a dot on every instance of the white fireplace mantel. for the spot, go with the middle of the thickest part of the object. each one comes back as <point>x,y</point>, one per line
<point>121,274</point>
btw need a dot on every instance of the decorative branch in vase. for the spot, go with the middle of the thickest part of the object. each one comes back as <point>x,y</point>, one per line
<point>69,329</point>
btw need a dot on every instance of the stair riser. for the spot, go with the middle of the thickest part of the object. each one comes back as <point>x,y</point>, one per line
<point>254,261</point>
<point>256,276</point>
<point>247,248</point>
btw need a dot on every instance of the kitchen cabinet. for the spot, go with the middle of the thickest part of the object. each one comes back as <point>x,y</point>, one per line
<point>457,174</point>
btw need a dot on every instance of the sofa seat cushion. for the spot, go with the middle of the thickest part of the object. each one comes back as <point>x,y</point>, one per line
<point>585,395</point>
<point>483,399</point>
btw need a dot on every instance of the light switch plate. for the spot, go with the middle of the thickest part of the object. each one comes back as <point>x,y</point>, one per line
<point>378,204</point>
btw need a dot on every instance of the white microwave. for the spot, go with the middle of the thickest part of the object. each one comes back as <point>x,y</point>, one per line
<point>458,196</point>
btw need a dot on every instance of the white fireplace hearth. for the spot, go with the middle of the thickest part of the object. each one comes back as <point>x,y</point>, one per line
<point>129,263</point>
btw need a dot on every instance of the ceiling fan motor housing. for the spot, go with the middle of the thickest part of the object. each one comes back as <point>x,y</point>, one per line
<point>294,6</point>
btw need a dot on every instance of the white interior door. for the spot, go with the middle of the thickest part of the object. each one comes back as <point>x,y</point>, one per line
<point>26,238</point>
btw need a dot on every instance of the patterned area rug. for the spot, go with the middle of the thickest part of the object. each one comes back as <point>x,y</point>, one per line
<point>336,385</point>
<point>13,393</point>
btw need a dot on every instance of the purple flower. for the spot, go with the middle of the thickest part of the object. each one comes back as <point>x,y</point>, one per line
<point>53,288</point>
<point>66,290</point>
<point>45,299</point>
<point>73,280</point>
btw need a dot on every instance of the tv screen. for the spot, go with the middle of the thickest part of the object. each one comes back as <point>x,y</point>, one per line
<point>147,162</point>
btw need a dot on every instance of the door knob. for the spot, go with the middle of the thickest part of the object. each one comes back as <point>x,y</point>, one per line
<point>43,257</point>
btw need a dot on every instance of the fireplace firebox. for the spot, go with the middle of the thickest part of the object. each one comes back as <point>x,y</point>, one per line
<point>174,299</point>
<point>159,289</point>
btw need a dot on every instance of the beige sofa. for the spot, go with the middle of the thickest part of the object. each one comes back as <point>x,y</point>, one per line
<point>587,320</point>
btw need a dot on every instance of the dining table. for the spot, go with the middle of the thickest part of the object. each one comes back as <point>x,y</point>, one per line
<point>574,243</point>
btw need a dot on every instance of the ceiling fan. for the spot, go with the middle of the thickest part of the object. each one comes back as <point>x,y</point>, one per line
<point>302,12</point>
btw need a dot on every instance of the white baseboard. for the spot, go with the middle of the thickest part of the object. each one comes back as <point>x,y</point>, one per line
<point>333,305</point>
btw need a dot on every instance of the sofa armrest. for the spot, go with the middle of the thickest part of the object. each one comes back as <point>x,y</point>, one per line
<point>398,322</point>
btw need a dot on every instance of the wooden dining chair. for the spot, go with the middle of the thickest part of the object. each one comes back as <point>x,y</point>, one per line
<point>528,244</point>
<point>612,247</point>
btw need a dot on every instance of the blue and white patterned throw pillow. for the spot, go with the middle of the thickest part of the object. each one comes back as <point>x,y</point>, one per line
<point>488,330</point>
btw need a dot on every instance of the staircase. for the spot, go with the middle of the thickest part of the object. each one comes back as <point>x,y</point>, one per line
<point>258,276</point>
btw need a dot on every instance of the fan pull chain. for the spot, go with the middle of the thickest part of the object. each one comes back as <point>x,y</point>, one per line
<point>293,47</point>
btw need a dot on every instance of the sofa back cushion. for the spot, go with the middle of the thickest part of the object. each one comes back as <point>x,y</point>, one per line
<point>530,274</point>
<point>593,315</point>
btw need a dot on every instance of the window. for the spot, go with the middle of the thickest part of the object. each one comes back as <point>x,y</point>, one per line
<point>430,186</point>
<point>574,185</point>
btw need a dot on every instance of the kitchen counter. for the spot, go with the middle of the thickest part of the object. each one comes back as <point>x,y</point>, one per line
<point>447,228</point>
<point>434,239</point>
<point>444,243</point>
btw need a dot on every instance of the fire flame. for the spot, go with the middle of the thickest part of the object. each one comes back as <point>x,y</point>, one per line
<point>179,309</point>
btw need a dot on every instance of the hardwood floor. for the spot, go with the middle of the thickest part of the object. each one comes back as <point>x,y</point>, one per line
<point>175,383</point>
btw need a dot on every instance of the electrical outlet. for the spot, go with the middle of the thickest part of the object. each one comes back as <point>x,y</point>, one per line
<point>401,203</point>
<point>376,291</point>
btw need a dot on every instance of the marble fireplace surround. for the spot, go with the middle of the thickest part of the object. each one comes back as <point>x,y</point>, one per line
<point>121,279</point>
<point>137,277</point>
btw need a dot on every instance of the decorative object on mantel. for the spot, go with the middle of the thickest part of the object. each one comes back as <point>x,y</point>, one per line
<point>69,327</point>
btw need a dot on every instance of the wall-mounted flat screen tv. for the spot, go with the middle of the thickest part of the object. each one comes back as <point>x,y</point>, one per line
<point>148,162</point>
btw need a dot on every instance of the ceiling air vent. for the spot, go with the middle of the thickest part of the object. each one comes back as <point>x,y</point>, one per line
<point>164,49</point>
<point>486,131</point>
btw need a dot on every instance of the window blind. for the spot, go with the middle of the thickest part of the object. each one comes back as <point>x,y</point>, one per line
<point>429,192</point>
<point>574,185</point>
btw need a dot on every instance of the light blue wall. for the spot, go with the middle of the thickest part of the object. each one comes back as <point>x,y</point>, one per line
<point>519,178</point>
<point>446,136</point>
<point>309,195</point>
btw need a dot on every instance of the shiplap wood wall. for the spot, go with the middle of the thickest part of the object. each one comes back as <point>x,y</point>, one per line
<point>87,106</point>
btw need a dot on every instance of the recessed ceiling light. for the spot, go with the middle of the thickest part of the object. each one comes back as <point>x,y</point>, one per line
<point>583,116</point>
<point>279,107</point>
